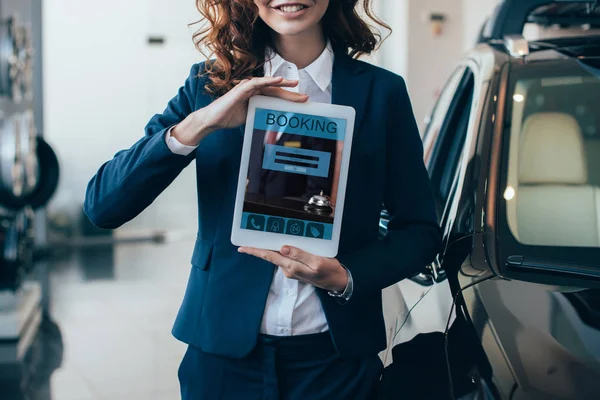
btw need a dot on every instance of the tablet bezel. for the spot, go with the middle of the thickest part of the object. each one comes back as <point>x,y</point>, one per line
<point>274,241</point>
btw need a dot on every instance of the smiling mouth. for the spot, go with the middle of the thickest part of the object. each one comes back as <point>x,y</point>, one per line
<point>291,8</point>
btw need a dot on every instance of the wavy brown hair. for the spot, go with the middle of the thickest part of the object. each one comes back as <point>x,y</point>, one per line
<point>237,38</point>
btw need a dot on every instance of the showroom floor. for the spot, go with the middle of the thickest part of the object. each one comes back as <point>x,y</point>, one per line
<point>113,314</point>
<point>109,336</point>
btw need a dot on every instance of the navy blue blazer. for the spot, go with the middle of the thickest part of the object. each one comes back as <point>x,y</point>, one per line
<point>226,293</point>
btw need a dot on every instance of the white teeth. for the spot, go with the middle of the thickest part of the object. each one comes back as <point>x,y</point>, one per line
<point>291,9</point>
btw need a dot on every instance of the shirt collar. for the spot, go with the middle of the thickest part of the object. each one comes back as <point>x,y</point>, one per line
<point>320,70</point>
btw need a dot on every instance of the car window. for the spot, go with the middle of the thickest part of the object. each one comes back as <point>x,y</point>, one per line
<point>436,121</point>
<point>438,115</point>
<point>552,190</point>
<point>448,147</point>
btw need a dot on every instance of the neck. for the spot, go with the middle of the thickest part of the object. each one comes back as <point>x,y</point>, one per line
<point>302,49</point>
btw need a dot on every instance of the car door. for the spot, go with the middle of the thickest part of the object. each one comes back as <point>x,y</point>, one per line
<point>454,168</point>
<point>540,325</point>
<point>447,140</point>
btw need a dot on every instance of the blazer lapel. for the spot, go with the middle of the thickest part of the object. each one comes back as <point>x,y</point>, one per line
<point>351,85</point>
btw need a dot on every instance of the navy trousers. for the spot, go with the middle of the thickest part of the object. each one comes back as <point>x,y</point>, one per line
<point>291,368</point>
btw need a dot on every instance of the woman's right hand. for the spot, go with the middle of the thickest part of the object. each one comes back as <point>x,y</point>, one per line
<point>229,110</point>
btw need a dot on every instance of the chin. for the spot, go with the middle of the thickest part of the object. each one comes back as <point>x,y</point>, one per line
<point>287,29</point>
<point>292,17</point>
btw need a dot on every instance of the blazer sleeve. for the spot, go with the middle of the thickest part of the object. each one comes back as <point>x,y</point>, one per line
<point>124,186</point>
<point>414,236</point>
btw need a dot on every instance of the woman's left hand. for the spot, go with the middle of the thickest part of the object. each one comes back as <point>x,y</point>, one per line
<point>322,272</point>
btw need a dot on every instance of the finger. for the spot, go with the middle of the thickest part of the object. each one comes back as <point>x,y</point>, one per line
<point>267,255</point>
<point>301,256</point>
<point>291,268</point>
<point>273,80</point>
<point>253,87</point>
<point>265,80</point>
<point>257,83</point>
<point>248,85</point>
<point>284,94</point>
<point>297,270</point>
<point>285,83</point>
<point>288,273</point>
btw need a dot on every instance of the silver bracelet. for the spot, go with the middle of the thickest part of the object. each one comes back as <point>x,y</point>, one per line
<point>347,293</point>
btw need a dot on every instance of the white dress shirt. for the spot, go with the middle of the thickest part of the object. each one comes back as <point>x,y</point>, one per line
<point>292,307</point>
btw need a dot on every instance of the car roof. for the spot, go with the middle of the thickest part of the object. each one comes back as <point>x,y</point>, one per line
<point>503,32</point>
<point>556,49</point>
<point>510,16</point>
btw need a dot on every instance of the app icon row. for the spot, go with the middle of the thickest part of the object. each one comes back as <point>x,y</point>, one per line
<point>279,225</point>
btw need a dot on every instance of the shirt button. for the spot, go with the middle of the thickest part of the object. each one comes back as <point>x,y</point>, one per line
<point>290,292</point>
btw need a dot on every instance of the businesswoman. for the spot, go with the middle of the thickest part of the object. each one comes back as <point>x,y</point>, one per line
<point>288,324</point>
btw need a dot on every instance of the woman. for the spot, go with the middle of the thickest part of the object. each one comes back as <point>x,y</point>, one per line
<point>288,324</point>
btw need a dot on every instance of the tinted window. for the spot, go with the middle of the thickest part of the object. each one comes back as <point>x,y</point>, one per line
<point>438,115</point>
<point>552,190</point>
<point>451,139</point>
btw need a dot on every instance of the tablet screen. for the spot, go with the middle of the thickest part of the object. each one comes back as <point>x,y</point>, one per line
<point>293,174</point>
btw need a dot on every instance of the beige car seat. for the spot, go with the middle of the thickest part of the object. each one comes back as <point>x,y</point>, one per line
<point>555,204</point>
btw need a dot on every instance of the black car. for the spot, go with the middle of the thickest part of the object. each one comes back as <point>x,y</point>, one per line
<point>513,152</point>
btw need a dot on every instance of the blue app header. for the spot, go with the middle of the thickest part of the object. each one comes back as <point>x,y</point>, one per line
<point>300,124</point>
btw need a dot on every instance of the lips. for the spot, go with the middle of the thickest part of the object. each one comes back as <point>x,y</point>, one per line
<point>290,7</point>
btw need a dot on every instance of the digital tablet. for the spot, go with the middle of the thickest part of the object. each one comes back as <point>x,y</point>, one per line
<point>293,175</point>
